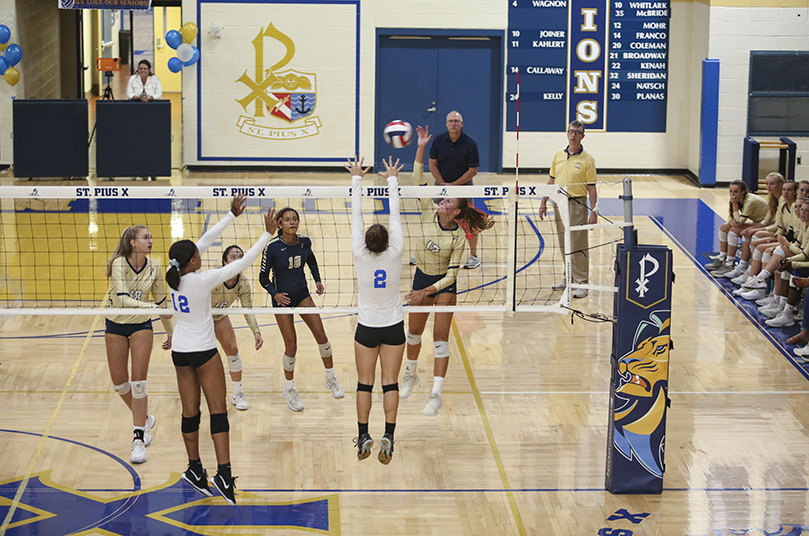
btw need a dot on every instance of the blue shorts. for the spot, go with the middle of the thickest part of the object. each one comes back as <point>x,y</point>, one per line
<point>422,281</point>
<point>192,359</point>
<point>295,298</point>
<point>126,330</point>
<point>372,337</point>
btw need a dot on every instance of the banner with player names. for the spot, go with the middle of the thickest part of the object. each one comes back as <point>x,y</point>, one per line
<point>144,5</point>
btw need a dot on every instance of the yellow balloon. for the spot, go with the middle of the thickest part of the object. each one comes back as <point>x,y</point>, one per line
<point>189,32</point>
<point>4,45</point>
<point>12,76</point>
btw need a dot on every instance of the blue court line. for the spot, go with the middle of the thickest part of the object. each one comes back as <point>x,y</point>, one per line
<point>463,490</point>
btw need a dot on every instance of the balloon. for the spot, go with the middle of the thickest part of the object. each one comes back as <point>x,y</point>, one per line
<point>185,52</point>
<point>13,54</point>
<point>3,65</point>
<point>12,76</point>
<point>3,46</point>
<point>175,65</point>
<point>174,39</point>
<point>5,34</point>
<point>194,58</point>
<point>189,31</point>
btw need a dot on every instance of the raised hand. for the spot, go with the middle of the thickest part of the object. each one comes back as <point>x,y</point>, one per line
<point>424,135</point>
<point>355,168</point>
<point>238,204</point>
<point>392,168</point>
<point>269,222</point>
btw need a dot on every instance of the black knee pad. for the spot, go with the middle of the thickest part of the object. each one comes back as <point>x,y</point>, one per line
<point>364,387</point>
<point>390,387</point>
<point>219,423</point>
<point>190,424</point>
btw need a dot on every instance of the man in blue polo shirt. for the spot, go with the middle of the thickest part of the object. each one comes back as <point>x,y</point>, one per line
<point>454,160</point>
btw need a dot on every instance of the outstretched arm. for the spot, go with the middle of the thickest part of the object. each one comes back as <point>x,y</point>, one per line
<point>392,169</point>
<point>357,223</point>
<point>236,208</point>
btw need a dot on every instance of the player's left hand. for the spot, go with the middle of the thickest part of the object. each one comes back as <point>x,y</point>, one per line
<point>355,168</point>
<point>167,343</point>
<point>270,225</point>
<point>259,341</point>
<point>392,168</point>
<point>320,288</point>
<point>238,204</point>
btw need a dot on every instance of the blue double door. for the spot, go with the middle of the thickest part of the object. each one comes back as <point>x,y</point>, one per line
<point>421,77</point>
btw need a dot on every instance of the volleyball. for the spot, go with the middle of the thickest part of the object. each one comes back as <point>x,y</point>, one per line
<point>398,133</point>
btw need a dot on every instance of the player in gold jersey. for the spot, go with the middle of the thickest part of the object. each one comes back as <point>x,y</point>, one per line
<point>133,278</point>
<point>223,296</point>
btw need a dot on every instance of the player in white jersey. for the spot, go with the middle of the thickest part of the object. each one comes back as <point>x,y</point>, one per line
<point>380,319</point>
<point>444,228</point>
<point>133,278</point>
<point>223,296</point>
<point>194,347</point>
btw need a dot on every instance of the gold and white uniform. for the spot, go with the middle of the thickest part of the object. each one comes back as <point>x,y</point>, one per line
<point>224,296</point>
<point>441,250</point>
<point>131,288</point>
<point>755,210</point>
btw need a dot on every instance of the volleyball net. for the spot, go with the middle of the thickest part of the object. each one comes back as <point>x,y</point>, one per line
<point>57,240</point>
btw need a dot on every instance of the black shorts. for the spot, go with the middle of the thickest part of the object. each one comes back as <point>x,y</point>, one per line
<point>192,359</point>
<point>126,330</point>
<point>295,298</point>
<point>801,272</point>
<point>422,281</point>
<point>372,337</point>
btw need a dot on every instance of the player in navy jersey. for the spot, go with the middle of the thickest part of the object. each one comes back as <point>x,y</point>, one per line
<point>285,257</point>
<point>380,319</point>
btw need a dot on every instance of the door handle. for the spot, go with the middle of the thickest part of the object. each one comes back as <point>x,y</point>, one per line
<point>431,108</point>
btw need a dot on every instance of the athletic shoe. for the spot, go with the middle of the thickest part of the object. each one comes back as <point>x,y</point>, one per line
<point>783,320</point>
<point>802,352</point>
<point>408,382</point>
<point>386,449</point>
<point>766,302</point>
<point>240,401</point>
<point>433,405</point>
<point>198,482</point>
<point>364,444</point>
<point>721,272</point>
<point>716,263</point>
<point>725,266</point>
<point>227,487</point>
<point>138,452</point>
<point>738,292</point>
<point>331,383</point>
<point>472,262</point>
<point>772,311</point>
<point>559,286</point>
<point>754,294</point>
<point>736,273</point>
<point>740,279</point>
<point>293,400</point>
<point>756,283</point>
<point>151,422</point>
<point>580,293</point>
<point>413,260</point>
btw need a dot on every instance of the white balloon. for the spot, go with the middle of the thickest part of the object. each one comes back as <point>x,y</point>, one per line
<point>185,52</point>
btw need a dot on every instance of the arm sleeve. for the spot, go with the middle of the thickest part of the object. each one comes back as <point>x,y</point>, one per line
<point>167,325</point>
<point>264,275</point>
<point>208,238</point>
<point>454,263</point>
<point>396,234</point>
<point>211,278</point>
<point>130,87</point>
<point>120,290</point>
<point>246,299</point>
<point>158,89</point>
<point>311,262</point>
<point>357,223</point>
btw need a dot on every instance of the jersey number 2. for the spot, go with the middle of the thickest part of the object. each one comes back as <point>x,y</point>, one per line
<point>379,279</point>
<point>182,301</point>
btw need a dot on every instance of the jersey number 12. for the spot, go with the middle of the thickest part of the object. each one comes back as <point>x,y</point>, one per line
<point>182,301</point>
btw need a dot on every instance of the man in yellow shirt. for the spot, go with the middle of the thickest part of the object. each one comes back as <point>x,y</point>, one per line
<point>574,171</point>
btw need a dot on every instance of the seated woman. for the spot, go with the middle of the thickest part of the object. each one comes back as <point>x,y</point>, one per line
<point>143,85</point>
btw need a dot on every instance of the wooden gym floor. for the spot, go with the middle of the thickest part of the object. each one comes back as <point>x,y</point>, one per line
<point>518,448</point>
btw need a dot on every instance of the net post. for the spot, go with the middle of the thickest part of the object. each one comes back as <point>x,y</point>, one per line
<point>511,272</point>
<point>629,226</point>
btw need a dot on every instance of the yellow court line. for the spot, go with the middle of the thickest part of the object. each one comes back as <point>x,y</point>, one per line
<point>515,511</point>
<point>41,445</point>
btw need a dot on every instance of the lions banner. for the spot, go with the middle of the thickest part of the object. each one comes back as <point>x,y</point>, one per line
<point>640,370</point>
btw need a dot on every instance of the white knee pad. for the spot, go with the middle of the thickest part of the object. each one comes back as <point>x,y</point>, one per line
<point>324,349</point>
<point>139,389</point>
<point>779,251</point>
<point>723,236</point>
<point>785,275</point>
<point>289,363</point>
<point>235,362</point>
<point>757,254</point>
<point>765,258</point>
<point>733,238</point>
<point>413,340</point>
<point>121,389</point>
<point>746,239</point>
<point>441,349</point>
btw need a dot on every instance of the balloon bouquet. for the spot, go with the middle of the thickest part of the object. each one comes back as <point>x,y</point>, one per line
<point>13,55</point>
<point>187,54</point>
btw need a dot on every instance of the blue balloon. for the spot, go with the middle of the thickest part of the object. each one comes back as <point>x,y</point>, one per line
<point>175,65</point>
<point>174,39</point>
<point>194,58</point>
<point>5,34</point>
<point>13,54</point>
<point>3,65</point>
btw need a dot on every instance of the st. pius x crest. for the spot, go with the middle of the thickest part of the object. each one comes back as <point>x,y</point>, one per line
<point>289,95</point>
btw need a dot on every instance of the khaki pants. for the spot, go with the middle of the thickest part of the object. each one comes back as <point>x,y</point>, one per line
<point>579,261</point>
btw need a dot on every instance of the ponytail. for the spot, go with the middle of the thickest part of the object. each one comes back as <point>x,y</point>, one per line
<point>180,254</point>
<point>473,219</point>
